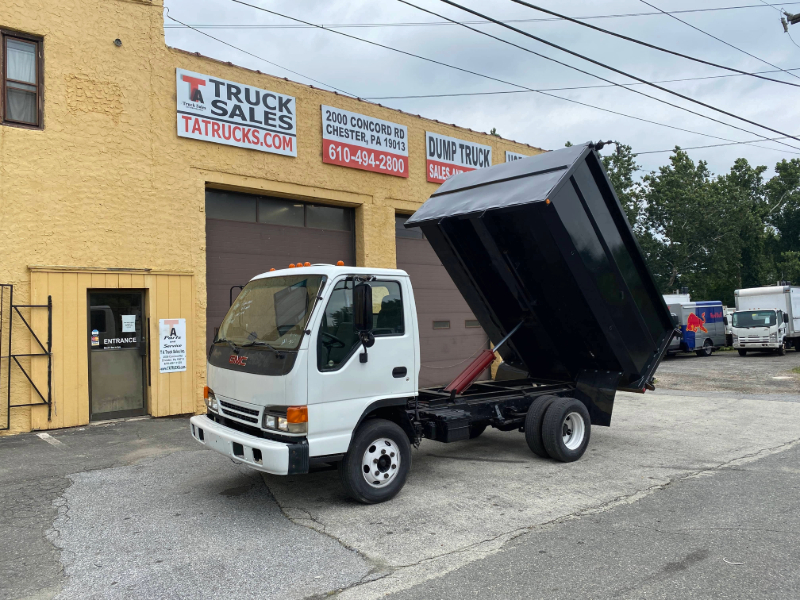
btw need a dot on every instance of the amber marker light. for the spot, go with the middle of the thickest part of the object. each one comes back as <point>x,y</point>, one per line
<point>291,265</point>
<point>272,269</point>
<point>340,263</point>
<point>297,419</point>
<point>547,201</point>
<point>205,392</point>
<point>306,264</point>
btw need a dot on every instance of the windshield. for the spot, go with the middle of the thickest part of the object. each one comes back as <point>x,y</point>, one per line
<point>273,311</point>
<point>754,318</point>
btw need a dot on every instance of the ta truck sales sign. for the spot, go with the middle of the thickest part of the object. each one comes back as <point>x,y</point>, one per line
<point>362,142</point>
<point>224,112</point>
<point>448,156</point>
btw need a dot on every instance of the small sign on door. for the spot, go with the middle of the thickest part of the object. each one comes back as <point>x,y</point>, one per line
<point>172,345</point>
<point>128,323</point>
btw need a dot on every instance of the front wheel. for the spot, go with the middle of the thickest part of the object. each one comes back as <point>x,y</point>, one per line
<point>376,465</point>
<point>782,350</point>
<point>741,351</point>
<point>566,429</point>
<point>706,350</point>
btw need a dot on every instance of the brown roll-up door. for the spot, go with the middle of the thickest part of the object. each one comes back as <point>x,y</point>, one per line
<point>238,250</point>
<point>449,336</point>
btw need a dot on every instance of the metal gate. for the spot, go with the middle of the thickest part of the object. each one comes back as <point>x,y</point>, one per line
<point>7,312</point>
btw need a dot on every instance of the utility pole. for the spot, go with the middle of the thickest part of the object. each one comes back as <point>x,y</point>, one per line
<point>792,20</point>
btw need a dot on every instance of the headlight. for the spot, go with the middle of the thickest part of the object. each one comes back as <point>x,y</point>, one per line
<point>773,337</point>
<point>735,337</point>
<point>294,421</point>
<point>210,399</point>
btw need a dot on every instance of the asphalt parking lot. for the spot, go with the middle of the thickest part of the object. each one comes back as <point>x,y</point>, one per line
<point>691,492</point>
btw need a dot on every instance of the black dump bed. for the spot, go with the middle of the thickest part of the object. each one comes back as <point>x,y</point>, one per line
<point>544,240</point>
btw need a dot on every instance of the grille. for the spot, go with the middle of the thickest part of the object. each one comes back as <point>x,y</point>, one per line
<point>239,412</point>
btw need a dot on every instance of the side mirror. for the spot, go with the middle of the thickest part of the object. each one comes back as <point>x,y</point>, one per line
<point>725,320</point>
<point>785,318</point>
<point>362,307</point>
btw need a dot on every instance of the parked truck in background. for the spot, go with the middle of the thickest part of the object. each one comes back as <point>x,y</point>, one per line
<point>766,319</point>
<point>702,327</point>
<point>320,364</point>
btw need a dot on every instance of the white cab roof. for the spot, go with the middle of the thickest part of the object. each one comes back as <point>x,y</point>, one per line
<point>332,271</point>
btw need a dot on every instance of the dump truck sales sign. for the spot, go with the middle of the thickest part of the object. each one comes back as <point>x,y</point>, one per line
<point>224,112</point>
<point>362,142</point>
<point>448,156</point>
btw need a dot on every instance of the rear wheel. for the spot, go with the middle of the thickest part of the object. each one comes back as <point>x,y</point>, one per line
<point>741,351</point>
<point>377,464</point>
<point>533,424</point>
<point>706,350</point>
<point>566,429</point>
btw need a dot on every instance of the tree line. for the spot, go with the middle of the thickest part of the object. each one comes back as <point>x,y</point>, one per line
<point>712,233</point>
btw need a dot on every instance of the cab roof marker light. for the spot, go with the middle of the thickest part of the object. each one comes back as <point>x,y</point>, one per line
<point>339,263</point>
<point>291,265</point>
<point>306,264</point>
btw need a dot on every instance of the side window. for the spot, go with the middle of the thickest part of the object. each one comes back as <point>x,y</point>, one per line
<point>21,81</point>
<point>337,335</point>
<point>387,308</point>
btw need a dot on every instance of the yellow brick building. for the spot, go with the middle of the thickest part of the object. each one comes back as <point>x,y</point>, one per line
<point>99,193</point>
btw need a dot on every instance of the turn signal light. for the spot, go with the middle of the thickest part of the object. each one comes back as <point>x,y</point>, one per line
<point>205,392</point>
<point>297,414</point>
<point>340,263</point>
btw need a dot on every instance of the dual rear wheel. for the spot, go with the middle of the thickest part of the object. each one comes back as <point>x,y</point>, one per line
<point>558,428</point>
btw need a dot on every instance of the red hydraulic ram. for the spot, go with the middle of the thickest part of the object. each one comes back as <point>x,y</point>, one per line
<point>477,366</point>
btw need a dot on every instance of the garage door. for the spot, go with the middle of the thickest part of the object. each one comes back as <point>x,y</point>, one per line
<point>247,235</point>
<point>450,337</point>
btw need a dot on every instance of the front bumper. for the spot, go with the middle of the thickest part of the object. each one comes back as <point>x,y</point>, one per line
<point>269,456</point>
<point>755,345</point>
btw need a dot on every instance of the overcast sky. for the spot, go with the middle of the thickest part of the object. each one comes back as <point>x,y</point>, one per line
<point>371,72</point>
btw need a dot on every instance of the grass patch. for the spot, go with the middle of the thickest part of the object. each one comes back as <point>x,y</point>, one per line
<point>796,370</point>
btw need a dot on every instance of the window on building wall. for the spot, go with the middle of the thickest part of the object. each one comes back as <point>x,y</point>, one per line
<point>21,79</point>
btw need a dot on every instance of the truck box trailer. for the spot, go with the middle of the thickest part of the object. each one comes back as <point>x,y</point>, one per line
<point>766,319</point>
<point>320,364</point>
<point>702,327</point>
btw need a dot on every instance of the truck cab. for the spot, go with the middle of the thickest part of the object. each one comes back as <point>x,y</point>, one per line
<point>759,329</point>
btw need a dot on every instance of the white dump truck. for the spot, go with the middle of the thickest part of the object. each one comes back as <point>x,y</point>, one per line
<point>766,319</point>
<point>320,364</point>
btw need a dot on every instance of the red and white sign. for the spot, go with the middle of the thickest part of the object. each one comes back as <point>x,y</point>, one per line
<point>224,112</point>
<point>362,142</point>
<point>448,156</point>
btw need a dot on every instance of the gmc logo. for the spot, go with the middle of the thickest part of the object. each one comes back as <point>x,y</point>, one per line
<point>237,360</point>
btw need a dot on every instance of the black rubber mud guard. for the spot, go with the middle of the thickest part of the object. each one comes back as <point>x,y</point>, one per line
<point>596,389</point>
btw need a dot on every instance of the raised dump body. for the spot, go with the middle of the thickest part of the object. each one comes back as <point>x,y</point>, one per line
<point>544,241</point>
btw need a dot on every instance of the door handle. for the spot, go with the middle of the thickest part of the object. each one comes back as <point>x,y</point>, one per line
<point>399,372</point>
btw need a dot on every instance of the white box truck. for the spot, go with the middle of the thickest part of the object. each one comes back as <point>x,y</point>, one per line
<point>320,364</point>
<point>766,319</point>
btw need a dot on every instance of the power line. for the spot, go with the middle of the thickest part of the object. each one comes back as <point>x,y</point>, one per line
<point>437,23</point>
<point>716,38</point>
<point>626,38</point>
<point>257,56</point>
<point>437,62</point>
<point>559,89</point>
<point>713,146</point>
<point>784,22</point>
<point>605,66</point>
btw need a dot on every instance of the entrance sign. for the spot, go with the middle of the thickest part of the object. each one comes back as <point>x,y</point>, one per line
<point>448,156</point>
<point>172,345</point>
<point>224,112</point>
<point>363,142</point>
<point>512,156</point>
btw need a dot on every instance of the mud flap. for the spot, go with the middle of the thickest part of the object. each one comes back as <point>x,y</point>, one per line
<point>596,389</point>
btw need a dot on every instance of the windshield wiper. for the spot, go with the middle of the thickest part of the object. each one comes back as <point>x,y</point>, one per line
<point>230,343</point>
<point>277,352</point>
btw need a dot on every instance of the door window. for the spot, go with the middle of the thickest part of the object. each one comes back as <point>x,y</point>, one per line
<point>338,338</point>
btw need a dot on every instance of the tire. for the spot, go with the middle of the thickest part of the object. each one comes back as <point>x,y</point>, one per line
<point>707,350</point>
<point>374,441</point>
<point>741,351</point>
<point>566,429</point>
<point>476,429</point>
<point>533,424</point>
<point>782,350</point>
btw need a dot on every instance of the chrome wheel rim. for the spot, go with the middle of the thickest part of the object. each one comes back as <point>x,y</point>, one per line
<point>380,463</point>
<point>573,430</point>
